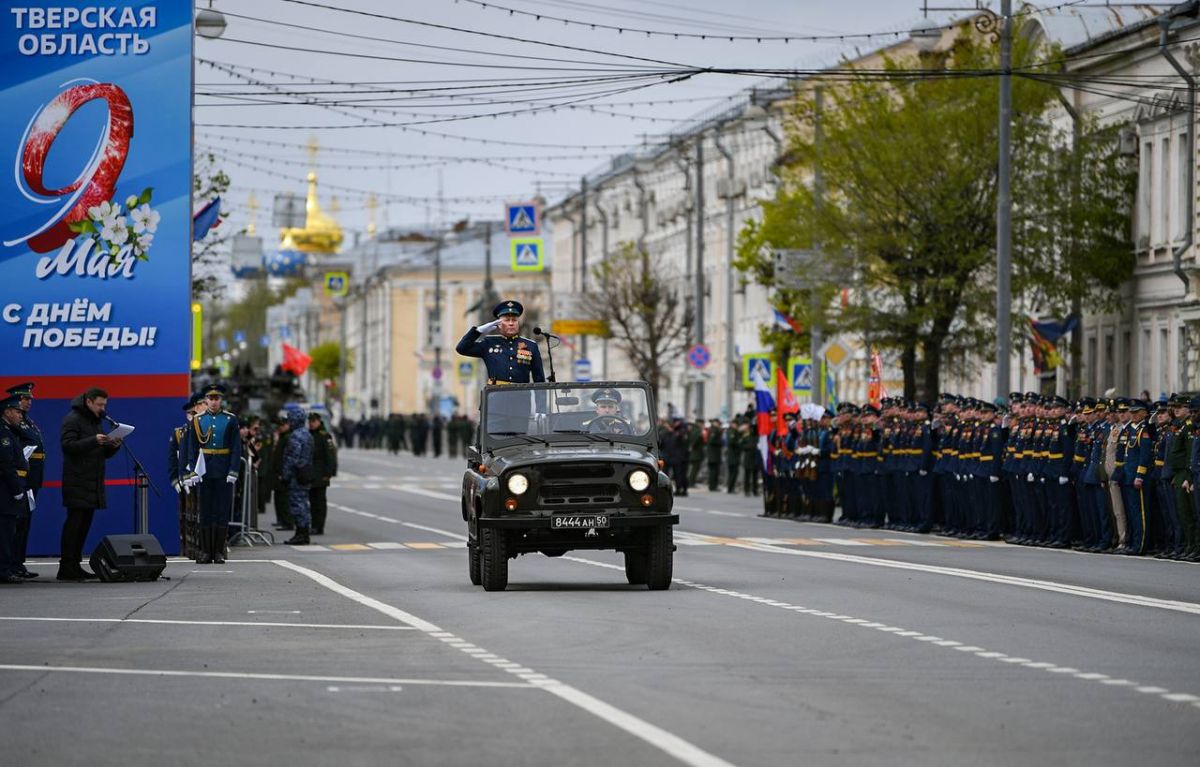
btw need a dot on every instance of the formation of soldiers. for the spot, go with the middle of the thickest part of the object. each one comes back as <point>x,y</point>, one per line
<point>417,433</point>
<point>1098,475</point>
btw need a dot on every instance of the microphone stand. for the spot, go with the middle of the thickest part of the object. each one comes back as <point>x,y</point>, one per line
<point>141,482</point>
<point>549,352</point>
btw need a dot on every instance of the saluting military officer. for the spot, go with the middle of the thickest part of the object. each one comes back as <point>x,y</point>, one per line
<point>30,436</point>
<point>14,471</point>
<point>510,358</point>
<point>214,435</point>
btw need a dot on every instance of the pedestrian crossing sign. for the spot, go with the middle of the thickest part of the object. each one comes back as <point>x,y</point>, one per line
<point>522,218</point>
<point>802,374</point>
<point>755,366</point>
<point>526,254</point>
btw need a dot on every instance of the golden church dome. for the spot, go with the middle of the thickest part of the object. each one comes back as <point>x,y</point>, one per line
<point>321,233</point>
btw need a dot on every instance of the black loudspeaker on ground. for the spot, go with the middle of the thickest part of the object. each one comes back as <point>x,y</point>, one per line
<point>124,558</point>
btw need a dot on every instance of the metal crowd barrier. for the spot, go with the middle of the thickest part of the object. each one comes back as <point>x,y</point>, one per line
<point>244,525</point>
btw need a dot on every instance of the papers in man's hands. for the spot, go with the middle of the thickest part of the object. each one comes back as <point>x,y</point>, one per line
<point>32,500</point>
<point>122,431</point>
<point>28,450</point>
<point>201,468</point>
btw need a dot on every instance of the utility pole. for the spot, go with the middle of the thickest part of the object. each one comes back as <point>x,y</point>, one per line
<point>1004,208</point>
<point>700,266</point>
<point>729,235</point>
<point>814,325</point>
<point>583,264</point>
<point>437,297</point>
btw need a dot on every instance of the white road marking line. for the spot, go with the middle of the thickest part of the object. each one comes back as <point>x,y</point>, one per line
<point>307,549</point>
<point>427,493</point>
<point>978,652</point>
<point>255,624</point>
<point>665,741</point>
<point>388,545</point>
<point>979,575</point>
<point>723,513</point>
<point>413,525</point>
<point>263,677</point>
<point>915,542</point>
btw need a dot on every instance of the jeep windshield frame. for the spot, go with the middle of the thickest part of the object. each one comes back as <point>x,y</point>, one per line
<point>546,414</point>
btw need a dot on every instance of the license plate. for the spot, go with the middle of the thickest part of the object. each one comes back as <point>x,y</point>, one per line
<point>578,522</point>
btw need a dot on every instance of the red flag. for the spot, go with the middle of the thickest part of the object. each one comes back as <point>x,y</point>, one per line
<point>788,402</point>
<point>294,360</point>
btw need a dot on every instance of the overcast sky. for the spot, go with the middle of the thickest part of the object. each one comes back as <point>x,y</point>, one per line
<point>546,150</point>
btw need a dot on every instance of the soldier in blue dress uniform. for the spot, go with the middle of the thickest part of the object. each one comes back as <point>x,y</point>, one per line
<point>30,435</point>
<point>14,472</point>
<point>214,434</point>
<point>1139,449</point>
<point>509,357</point>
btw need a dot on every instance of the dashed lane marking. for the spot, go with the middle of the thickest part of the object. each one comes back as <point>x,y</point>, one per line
<point>349,547</point>
<point>665,741</point>
<point>253,624</point>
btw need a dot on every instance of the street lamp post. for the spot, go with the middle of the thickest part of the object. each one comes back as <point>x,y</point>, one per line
<point>1004,207</point>
<point>729,361</point>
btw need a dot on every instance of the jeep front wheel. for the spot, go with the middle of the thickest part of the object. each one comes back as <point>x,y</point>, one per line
<point>473,564</point>
<point>493,556</point>
<point>659,558</point>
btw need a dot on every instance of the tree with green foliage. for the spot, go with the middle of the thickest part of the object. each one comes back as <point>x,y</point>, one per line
<point>909,211</point>
<point>326,366</point>
<point>641,302</point>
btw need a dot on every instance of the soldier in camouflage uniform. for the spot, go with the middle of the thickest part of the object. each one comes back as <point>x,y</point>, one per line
<point>297,473</point>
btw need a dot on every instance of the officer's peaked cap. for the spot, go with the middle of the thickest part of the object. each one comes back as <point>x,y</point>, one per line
<point>503,308</point>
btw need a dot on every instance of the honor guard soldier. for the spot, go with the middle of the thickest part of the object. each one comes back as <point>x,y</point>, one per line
<point>214,435</point>
<point>30,436</point>
<point>176,461</point>
<point>509,357</point>
<point>1139,450</point>
<point>14,499</point>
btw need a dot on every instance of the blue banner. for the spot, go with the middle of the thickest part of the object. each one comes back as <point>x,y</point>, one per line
<point>95,225</point>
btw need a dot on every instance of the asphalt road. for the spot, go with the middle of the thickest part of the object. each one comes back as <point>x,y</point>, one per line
<point>779,643</point>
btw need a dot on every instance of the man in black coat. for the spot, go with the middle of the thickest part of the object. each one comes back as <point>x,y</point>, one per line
<point>85,448</point>
<point>324,468</point>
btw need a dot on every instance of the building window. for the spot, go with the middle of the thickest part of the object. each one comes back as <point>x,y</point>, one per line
<point>433,329</point>
<point>1110,362</point>
<point>1164,358</point>
<point>1181,190</point>
<point>1088,382</point>
<point>1126,362</point>
<point>1164,193</point>
<point>1146,164</point>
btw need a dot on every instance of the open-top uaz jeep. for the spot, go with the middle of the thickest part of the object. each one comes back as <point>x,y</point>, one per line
<point>564,466</point>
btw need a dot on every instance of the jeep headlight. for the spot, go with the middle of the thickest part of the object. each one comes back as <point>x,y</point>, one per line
<point>639,480</point>
<point>518,484</point>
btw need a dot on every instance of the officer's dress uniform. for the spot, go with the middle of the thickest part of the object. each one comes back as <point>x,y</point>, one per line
<point>1139,448</point>
<point>508,360</point>
<point>215,435</point>
<point>14,473</point>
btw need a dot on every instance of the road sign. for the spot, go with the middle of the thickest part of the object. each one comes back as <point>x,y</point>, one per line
<point>466,370</point>
<point>836,354</point>
<point>337,283</point>
<point>757,365</point>
<point>437,374</point>
<point>239,336</point>
<point>579,327</point>
<point>583,370</point>
<point>523,218</point>
<point>699,356</point>
<point>802,375</point>
<point>264,340</point>
<point>526,254</point>
<point>289,212</point>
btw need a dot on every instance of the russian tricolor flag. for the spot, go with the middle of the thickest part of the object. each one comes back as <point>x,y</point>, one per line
<point>764,403</point>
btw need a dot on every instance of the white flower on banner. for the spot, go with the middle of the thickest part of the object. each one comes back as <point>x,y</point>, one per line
<point>116,231</point>
<point>103,213</point>
<point>142,244</point>
<point>144,219</point>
